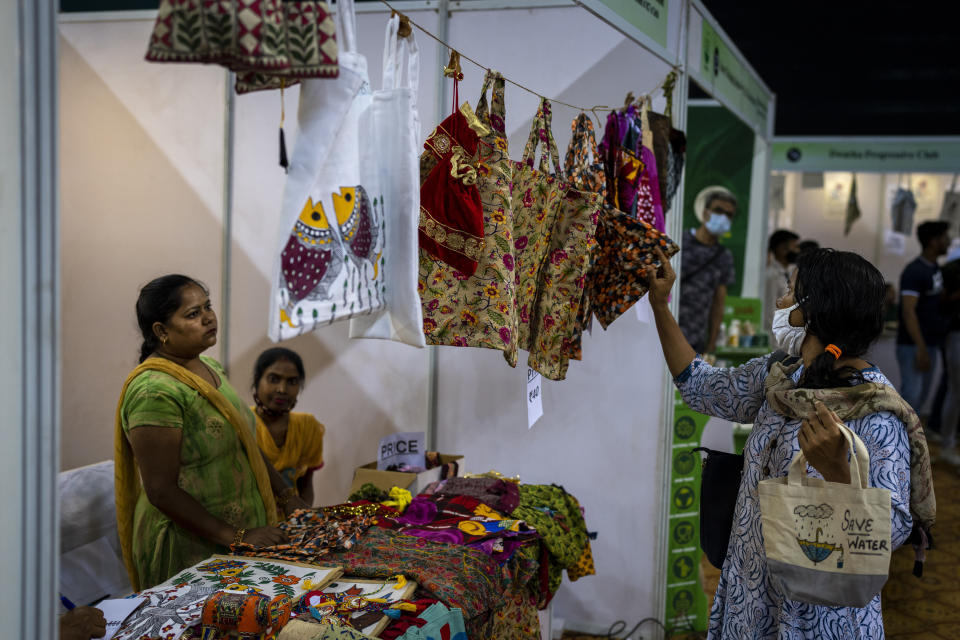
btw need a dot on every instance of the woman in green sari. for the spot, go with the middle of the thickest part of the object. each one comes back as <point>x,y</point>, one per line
<point>184,432</point>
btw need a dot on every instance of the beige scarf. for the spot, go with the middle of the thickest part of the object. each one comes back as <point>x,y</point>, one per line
<point>851,403</point>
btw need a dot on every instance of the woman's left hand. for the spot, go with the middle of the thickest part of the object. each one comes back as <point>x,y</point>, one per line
<point>294,503</point>
<point>824,445</point>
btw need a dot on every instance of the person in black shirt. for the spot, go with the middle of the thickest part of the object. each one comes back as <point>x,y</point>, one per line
<point>922,326</point>
<point>950,414</point>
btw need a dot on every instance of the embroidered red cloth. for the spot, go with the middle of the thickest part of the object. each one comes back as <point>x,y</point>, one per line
<point>451,214</point>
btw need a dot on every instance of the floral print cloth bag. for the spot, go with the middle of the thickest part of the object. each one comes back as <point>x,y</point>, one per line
<point>616,279</point>
<point>477,311</point>
<point>554,226</point>
<point>332,227</point>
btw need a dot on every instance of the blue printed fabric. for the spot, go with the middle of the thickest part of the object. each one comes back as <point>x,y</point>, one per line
<point>748,604</point>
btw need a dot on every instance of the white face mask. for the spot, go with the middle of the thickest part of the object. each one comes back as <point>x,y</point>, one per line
<point>718,224</point>
<point>789,337</point>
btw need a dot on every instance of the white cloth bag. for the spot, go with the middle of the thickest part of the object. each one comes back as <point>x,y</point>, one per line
<point>827,543</point>
<point>390,164</point>
<point>331,234</point>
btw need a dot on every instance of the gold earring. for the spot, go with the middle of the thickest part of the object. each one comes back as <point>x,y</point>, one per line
<point>164,340</point>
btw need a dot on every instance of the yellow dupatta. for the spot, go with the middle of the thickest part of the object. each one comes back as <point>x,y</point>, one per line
<point>126,474</point>
<point>303,448</point>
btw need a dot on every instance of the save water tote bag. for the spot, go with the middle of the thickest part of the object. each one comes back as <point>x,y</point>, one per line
<point>827,543</point>
<point>389,164</point>
<point>332,233</point>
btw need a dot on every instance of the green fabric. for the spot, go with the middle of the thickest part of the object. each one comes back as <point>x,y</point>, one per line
<point>556,516</point>
<point>213,469</point>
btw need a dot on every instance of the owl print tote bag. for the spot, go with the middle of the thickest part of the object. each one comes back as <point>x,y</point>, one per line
<point>331,232</point>
<point>390,165</point>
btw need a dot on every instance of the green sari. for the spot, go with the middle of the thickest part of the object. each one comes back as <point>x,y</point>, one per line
<point>214,470</point>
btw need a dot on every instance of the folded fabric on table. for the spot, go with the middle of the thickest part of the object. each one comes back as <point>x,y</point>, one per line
<point>313,533</point>
<point>499,495</point>
<point>461,520</point>
<point>556,516</point>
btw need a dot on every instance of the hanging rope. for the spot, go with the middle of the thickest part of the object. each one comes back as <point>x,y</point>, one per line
<point>459,55</point>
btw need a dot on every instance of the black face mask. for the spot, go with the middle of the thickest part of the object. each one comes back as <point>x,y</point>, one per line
<point>792,257</point>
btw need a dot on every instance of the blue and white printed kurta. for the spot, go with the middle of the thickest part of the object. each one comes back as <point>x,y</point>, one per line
<point>748,604</point>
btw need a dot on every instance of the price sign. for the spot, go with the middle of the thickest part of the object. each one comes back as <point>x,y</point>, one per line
<point>534,397</point>
<point>402,448</point>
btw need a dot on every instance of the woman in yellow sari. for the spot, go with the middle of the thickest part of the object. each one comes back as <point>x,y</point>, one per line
<point>291,441</point>
<point>190,479</point>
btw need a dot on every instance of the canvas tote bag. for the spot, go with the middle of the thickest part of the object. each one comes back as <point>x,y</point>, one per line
<point>827,543</point>
<point>389,163</point>
<point>331,233</point>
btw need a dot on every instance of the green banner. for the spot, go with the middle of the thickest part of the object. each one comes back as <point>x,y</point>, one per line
<point>686,601</point>
<point>728,80</point>
<point>866,155</point>
<point>649,16</point>
<point>720,152</point>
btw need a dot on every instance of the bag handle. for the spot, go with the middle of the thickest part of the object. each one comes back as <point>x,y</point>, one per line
<point>541,132</point>
<point>859,462</point>
<point>396,75</point>
<point>583,143</point>
<point>495,117</point>
<point>347,26</point>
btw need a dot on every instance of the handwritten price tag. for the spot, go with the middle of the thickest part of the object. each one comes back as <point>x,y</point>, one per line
<point>534,397</point>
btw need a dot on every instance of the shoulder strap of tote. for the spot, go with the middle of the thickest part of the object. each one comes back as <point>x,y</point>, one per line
<point>541,132</point>
<point>396,51</point>
<point>346,26</point>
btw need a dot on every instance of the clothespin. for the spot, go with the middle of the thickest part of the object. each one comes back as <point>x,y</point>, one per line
<point>453,69</point>
<point>628,100</point>
<point>404,30</point>
<point>284,162</point>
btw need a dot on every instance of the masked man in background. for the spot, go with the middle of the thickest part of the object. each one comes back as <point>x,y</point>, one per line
<point>782,255</point>
<point>706,268</point>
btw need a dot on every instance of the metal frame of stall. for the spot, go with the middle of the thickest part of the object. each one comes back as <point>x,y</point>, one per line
<point>39,222</point>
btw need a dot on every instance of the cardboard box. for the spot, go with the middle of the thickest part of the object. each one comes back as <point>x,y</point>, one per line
<point>412,482</point>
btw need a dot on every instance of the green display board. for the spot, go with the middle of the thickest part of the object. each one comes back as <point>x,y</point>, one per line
<point>719,152</point>
<point>686,603</point>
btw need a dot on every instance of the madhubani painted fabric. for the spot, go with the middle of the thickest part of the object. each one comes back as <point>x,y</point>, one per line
<point>616,278</point>
<point>748,603</point>
<point>270,578</point>
<point>462,520</point>
<point>477,311</point>
<point>302,450</point>
<point>356,603</point>
<point>169,611</point>
<point>451,214</point>
<point>556,516</point>
<point>554,226</point>
<point>312,534</point>
<point>267,43</point>
<point>456,575</point>
<point>500,495</point>
<point>214,470</point>
<point>857,402</point>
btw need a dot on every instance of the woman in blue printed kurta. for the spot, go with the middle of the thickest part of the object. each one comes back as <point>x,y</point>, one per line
<point>840,315</point>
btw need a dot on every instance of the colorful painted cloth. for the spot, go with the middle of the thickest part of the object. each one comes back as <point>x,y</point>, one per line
<point>313,534</point>
<point>456,575</point>
<point>461,520</point>
<point>556,516</point>
<point>554,226</point>
<point>302,450</point>
<point>748,602</point>
<point>477,311</point>
<point>451,214</point>
<point>267,43</point>
<point>616,279</point>
<point>499,495</point>
<point>169,612</point>
<point>356,603</point>
<point>220,466</point>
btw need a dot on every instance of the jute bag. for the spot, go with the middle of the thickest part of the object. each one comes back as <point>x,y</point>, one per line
<point>327,266</point>
<point>389,163</point>
<point>827,543</point>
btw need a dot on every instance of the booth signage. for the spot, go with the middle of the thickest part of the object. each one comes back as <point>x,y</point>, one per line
<point>402,448</point>
<point>866,155</point>
<point>534,397</point>
<point>730,81</point>
<point>649,16</point>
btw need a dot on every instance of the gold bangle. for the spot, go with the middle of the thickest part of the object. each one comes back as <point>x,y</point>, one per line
<point>238,536</point>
